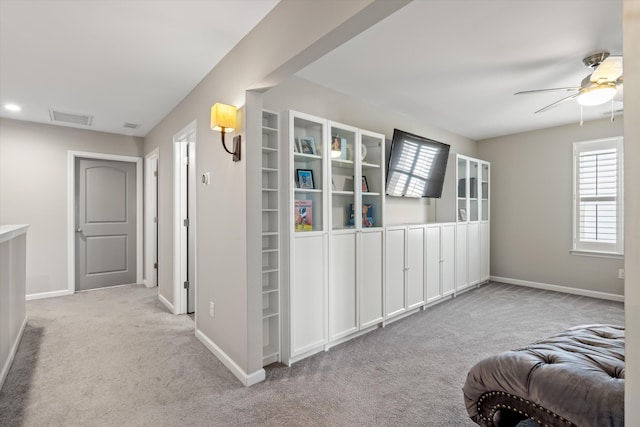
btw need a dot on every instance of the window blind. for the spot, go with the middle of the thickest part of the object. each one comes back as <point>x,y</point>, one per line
<point>597,193</point>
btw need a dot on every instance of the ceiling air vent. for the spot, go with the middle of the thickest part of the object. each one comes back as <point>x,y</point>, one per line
<point>73,118</point>
<point>131,125</point>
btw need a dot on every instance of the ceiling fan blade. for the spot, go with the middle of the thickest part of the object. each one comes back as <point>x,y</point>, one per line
<point>608,71</point>
<point>547,90</point>
<point>555,104</point>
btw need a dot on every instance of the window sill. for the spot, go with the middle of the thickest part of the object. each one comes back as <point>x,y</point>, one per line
<point>612,255</point>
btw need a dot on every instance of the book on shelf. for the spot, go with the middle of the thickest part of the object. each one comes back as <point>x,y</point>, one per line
<point>303,215</point>
<point>367,215</point>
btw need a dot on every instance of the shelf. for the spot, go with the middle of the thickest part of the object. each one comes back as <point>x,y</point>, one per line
<point>268,289</point>
<point>308,190</point>
<point>342,162</point>
<point>369,165</point>
<point>269,150</point>
<point>269,312</point>
<point>269,269</point>
<point>269,210</point>
<point>269,170</point>
<point>307,156</point>
<point>342,193</point>
<point>370,193</point>
<point>269,233</point>
<point>269,189</point>
<point>268,130</point>
<point>267,250</point>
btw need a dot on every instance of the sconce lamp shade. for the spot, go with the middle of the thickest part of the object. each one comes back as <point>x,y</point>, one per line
<point>223,117</point>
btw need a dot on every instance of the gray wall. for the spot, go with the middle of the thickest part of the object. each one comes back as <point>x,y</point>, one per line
<point>33,190</point>
<point>531,208</point>
<point>307,97</point>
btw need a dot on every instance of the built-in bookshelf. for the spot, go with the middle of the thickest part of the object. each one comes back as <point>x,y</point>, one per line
<point>271,244</point>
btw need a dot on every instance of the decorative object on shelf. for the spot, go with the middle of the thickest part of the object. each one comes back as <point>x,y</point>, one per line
<point>462,214</point>
<point>365,184</point>
<point>367,215</point>
<point>363,152</point>
<point>307,145</point>
<point>303,215</point>
<point>335,147</point>
<point>223,120</point>
<point>305,178</point>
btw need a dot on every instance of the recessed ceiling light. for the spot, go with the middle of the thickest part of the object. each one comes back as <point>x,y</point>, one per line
<point>12,107</point>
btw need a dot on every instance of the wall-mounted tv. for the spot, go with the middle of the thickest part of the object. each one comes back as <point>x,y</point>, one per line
<point>416,166</point>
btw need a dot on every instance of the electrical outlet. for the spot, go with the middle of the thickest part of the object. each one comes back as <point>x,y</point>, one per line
<point>621,273</point>
<point>212,309</point>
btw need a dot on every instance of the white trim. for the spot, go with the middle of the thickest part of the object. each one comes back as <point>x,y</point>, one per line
<point>181,149</point>
<point>53,294</point>
<point>71,228</point>
<point>597,254</point>
<point>557,288</point>
<point>12,354</point>
<point>150,199</point>
<point>246,379</point>
<point>166,303</point>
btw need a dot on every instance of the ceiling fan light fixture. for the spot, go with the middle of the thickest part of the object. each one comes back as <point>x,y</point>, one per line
<point>596,95</point>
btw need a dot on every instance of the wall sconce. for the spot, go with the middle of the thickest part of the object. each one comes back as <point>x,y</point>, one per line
<point>223,119</point>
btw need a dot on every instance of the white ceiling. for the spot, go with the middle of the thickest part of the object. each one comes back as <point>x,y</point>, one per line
<point>118,61</point>
<point>453,63</point>
<point>457,63</point>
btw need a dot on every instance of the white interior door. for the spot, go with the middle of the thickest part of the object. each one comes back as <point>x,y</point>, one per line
<point>106,215</point>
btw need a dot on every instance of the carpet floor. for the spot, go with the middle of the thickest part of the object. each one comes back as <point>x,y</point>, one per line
<point>116,357</point>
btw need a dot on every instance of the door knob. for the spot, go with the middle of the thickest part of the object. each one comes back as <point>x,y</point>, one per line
<point>78,230</point>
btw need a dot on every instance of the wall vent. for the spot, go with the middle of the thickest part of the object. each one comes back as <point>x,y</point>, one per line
<point>131,125</point>
<point>64,117</point>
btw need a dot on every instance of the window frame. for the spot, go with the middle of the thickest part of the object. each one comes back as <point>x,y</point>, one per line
<point>599,248</point>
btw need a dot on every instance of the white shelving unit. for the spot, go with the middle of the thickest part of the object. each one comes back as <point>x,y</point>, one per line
<point>270,239</point>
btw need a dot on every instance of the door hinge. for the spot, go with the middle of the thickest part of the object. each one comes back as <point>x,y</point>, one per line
<point>155,219</point>
<point>186,284</point>
<point>186,222</point>
<point>155,265</point>
<point>186,160</point>
<point>155,173</point>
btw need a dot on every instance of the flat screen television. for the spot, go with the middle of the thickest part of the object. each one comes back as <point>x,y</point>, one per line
<point>416,166</point>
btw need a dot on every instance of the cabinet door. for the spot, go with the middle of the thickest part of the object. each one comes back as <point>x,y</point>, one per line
<point>448,259</point>
<point>370,257</point>
<point>308,294</point>
<point>395,271</point>
<point>434,291</point>
<point>416,241</point>
<point>342,286</point>
<point>462,280</point>
<point>473,252</point>
<point>484,251</point>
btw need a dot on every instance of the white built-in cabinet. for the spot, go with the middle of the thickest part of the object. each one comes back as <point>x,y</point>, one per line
<point>441,261</point>
<point>472,210</point>
<point>335,229</point>
<point>405,282</point>
<point>344,271</point>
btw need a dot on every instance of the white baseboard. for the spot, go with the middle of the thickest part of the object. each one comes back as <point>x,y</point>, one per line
<point>246,379</point>
<point>52,294</point>
<point>557,288</point>
<point>12,354</point>
<point>166,303</point>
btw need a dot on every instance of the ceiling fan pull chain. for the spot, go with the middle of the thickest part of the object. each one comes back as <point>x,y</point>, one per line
<point>612,118</point>
<point>581,121</point>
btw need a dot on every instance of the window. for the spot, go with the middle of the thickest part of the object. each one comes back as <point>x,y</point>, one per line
<point>597,195</point>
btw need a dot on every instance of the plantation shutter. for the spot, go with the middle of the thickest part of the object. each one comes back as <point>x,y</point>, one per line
<point>597,197</point>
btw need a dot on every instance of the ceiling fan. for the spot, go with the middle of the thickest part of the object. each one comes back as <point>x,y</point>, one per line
<point>603,85</point>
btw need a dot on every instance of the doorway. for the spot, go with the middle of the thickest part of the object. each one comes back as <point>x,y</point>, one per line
<point>104,220</point>
<point>151,218</point>
<point>184,230</point>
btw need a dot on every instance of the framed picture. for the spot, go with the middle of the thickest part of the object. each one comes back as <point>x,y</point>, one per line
<point>296,146</point>
<point>305,178</point>
<point>365,185</point>
<point>462,214</point>
<point>307,145</point>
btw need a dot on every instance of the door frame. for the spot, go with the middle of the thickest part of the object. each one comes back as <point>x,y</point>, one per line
<point>71,199</point>
<point>180,237</point>
<point>150,226</point>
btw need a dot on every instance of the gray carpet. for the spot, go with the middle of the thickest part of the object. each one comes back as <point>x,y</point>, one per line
<point>117,357</point>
